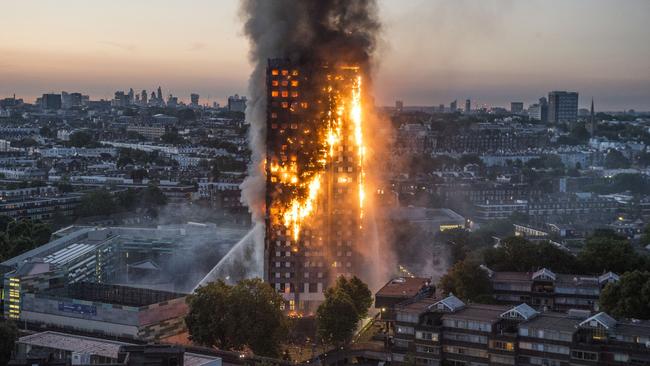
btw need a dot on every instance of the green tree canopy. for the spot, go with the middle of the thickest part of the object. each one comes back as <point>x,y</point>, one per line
<point>173,138</point>
<point>359,293</point>
<point>607,251</point>
<point>616,160</point>
<point>346,303</point>
<point>99,202</point>
<point>336,317</point>
<point>21,236</point>
<point>467,281</point>
<point>234,317</point>
<point>519,255</point>
<point>629,297</point>
<point>82,139</point>
<point>8,336</point>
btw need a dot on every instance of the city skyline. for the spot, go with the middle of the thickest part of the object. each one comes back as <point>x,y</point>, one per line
<point>492,52</point>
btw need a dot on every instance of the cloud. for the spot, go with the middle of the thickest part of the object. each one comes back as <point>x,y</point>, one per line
<point>122,46</point>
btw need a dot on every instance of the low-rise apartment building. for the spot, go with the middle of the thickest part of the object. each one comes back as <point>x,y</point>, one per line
<point>547,290</point>
<point>447,331</point>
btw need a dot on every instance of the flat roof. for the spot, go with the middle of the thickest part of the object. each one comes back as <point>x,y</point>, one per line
<point>95,346</point>
<point>69,253</point>
<point>403,287</point>
<point>555,321</point>
<point>481,312</point>
<point>112,294</point>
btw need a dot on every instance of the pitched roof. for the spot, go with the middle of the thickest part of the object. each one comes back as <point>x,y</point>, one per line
<point>544,272</point>
<point>450,303</point>
<point>601,318</point>
<point>522,311</point>
<point>608,277</point>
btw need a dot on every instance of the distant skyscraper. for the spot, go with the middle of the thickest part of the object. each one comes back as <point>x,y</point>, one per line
<point>468,106</point>
<point>592,119</point>
<point>120,99</point>
<point>441,108</point>
<point>153,97</point>
<point>539,111</point>
<point>453,106</point>
<point>160,97</point>
<point>562,106</point>
<point>237,103</point>
<point>399,105</point>
<point>65,100</point>
<point>51,101</point>
<point>143,97</point>
<point>195,99</point>
<point>130,97</point>
<point>76,99</point>
<point>516,107</point>
<point>172,101</point>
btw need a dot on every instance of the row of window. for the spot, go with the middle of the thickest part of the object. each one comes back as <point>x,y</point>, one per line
<point>464,337</point>
<point>546,334</point>
<point>467,324</point>
<point>545,347</point>
<point>284,94</point>
<point>473,352</point>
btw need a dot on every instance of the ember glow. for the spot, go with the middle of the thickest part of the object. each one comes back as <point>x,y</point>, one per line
<point>342,122</point>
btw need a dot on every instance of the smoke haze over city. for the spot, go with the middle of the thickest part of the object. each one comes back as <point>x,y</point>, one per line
<point>489,51</point>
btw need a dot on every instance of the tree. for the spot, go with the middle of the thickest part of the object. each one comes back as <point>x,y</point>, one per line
<point>616,160</point>
<point>359,293</point>
<point>82,139</point>
<point>207,320</point>
<point>8,336</point>
<point>468,281</point>
<point>514,254</point>
<point>345,304</point>
<point>556,259</point>
<point>123,161</point>
<point>45,131</point>
<point>644,159</point>
<point>607,251</point>
<point>4,222</point>
<point>152,196</point>
<point>645,237</point>
<point>629,297</point>
<point>186,114</point>
<point>99,202</point>
<point>233,317</point>
<point>172,137</point>
<point>139,174</point>
<point>133,135</point>
<point>519,255</point>
<point>35,231</point>
<point>336,317</point>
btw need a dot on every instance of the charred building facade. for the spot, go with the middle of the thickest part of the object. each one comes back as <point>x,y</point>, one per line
<point>314,178</point>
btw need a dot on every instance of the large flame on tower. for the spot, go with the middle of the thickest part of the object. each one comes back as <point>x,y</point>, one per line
<point>346,105</point>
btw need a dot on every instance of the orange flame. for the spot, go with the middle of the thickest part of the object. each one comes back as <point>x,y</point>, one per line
<point>299,209</point>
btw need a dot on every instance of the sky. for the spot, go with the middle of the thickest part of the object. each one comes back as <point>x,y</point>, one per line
<point>431,51</point>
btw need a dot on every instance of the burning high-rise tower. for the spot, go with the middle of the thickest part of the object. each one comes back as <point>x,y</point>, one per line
<point>314,177</point>
<point>306,183</point>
